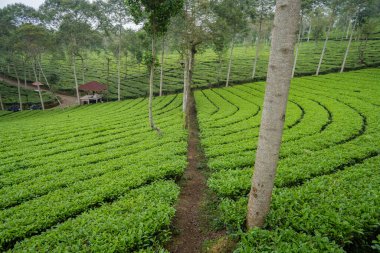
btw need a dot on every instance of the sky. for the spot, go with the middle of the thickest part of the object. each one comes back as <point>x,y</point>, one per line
<point>33,3</point>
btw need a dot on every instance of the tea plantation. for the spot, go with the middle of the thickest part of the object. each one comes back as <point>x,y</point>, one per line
<point>96,178</point>
<point>134,77</point>
<point>91,178</point>
<point>326,195</point>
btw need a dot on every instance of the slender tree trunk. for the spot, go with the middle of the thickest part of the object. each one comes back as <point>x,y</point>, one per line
<point>118,68</point>
<point>347,49</point>
<point>18,88</point>
<point>324,49</point>
<point>309,32</point>
<point>1,103</point>
<point>47,83</point>
<point>83,69</point>
<point>24,67</point>
<point>187,86</point>
<point>185,80</point>
<point>75,78</point>
<point>258,38</point>
<point>348,28</point>
<point>220,69</point>
<point>273,117</point>
<point>230,61</point>
<point>297,48</point>
<point>162,65</point>
<point>39,89</point>
<point>151,80</point>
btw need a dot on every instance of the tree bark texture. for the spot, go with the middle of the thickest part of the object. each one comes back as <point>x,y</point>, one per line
<point>273,117</point>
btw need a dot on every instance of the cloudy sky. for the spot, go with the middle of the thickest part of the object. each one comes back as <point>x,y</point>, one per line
<point>33,3</point>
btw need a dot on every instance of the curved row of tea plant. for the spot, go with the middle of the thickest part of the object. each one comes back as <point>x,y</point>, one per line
<point>97,165</point>
<point>332,130</point>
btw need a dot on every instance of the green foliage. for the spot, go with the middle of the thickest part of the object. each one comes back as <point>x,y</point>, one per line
<point>286,240</point>
<point>326,180</point>
<point>70,176</point>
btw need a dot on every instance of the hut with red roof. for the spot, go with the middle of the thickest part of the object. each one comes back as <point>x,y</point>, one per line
<point>93,87</point>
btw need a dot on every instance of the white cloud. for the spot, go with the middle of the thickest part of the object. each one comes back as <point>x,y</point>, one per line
<point>33,3</point>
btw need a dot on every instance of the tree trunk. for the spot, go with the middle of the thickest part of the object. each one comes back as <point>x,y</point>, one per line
<point>24,66</point>
<point>47,83</point>
<point>186,81</point>
<point>220,69</point>
<point>189,63</point>
<point>273,117</point>
<point>1,103</point>
<point>118,69</point>
<point>230,61</point>
<point>258,38</point>
<point>347,49</point>
<point>119,63</point>
<point>75,78</point>
<point>324,49</point>
<point>83,69</point>
<point>39,89</point>
<point>151,80</point>
<point>162,65</point>
<point>18,88</point>
<point>308,33</point>
<point>297,48</point>
<point>348,28</point>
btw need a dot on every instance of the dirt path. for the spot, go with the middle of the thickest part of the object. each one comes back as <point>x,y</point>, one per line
<point>189,235</point>
<point>66,100</point>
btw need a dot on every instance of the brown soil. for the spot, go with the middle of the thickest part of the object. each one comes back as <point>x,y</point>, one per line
<point>189,231</point>
<point>66,100</point>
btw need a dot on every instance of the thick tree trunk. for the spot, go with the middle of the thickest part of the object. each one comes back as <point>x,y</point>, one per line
<point>162,65</point>
<point>347,49</point>
<point>324,49</point>
<point>151,80</point>
<point>75,78</point>
<point>39,89</point>
<point>230,61</point>
<point>273,117</point>
<point>18,88</point>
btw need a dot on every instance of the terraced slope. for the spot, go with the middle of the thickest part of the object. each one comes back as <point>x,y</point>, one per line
<point>135,77</point>
<point>91,178</point>
<point>9,96</point>
<point>328,177</point>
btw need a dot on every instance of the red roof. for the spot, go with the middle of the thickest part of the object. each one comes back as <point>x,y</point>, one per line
<point>93,86</point>
<point>37,84</point>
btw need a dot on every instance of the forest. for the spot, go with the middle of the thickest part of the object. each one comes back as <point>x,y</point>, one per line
<point>190,126</point>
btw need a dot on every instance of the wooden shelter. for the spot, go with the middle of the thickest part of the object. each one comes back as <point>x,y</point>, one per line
<point>94,87</point>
